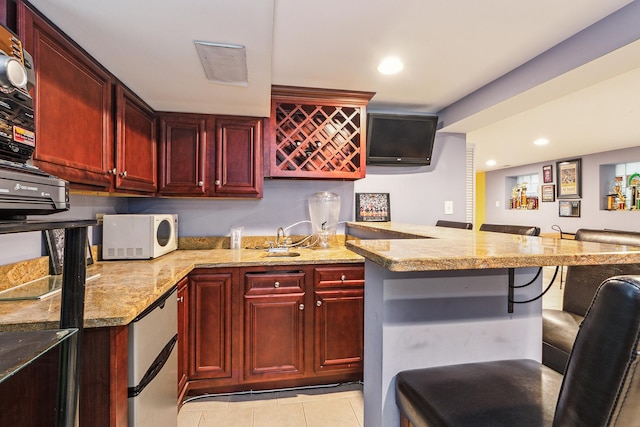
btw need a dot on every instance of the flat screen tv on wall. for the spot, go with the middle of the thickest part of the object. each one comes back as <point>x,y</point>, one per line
<point>400,139</point>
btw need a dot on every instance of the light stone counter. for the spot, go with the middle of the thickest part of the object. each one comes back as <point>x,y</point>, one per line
<point>125,288</point>
<point>407,247</point>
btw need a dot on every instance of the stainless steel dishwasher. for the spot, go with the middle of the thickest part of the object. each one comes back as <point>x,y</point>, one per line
<point>153,365</point>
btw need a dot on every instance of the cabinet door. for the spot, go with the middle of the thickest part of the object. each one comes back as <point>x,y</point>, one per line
<point>182,155</point>
<point>274,336</point>
<point>183,335</point>
<point>238,157</point>
<point>72,107</point>
<point>339,330</point>
<point>210,325</point>
<point>136,157</point>
<point>274,325</point>
<point>338,318</point>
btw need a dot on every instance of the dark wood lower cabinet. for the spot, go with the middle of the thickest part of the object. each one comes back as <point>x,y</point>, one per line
<point>103,377</point>
<point>271,327</point>
<point>339,318</point>
<point>210,324</point>
<point>339,330</point>
<point>183,335</point>
<point>274,332</point>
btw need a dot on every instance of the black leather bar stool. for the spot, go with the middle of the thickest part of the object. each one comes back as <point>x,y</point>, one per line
<point>454,224</point>
<point>511,229</point>
<point>601,386</point>
<point>559,327</point>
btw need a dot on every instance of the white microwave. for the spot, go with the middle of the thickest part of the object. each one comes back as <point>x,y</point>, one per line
<point>140,236</point>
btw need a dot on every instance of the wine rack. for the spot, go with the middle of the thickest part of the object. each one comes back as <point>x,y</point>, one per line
<point>318,133</point>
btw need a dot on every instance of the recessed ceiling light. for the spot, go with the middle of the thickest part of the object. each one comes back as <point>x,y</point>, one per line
<point>491,162</point>
<point>390,65</point>
<point>541,141</point>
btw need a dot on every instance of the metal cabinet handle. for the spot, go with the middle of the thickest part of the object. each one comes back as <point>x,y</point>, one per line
<point>200,183</point>
<point>112,171</point>
<point>217,182</point>
<point>276,285</point>
<point>343,277</point>
<point>181,299</point>
<point>318,303</point>
<point>301,306</point>
<point>123,174</point>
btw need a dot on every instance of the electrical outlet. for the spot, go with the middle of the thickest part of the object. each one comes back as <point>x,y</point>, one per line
<point>448,207</point>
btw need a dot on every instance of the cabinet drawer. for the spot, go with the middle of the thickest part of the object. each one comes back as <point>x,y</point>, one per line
<point>342,276</point>
<point>274,282</point>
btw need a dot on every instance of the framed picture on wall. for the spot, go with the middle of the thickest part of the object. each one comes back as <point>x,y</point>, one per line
<point>569,179</point>
<point>569,208</point>
<point>547,174</point>
<point>373,207</point>
<point>548,193</point>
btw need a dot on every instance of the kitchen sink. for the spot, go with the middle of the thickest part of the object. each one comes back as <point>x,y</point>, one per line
<point>282,254</point>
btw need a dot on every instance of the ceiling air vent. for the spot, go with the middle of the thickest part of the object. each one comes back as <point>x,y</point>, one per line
<point>223,63</point>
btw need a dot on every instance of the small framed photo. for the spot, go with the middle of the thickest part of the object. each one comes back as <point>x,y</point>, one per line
<point>569,179</point>
<point>373,207</point>
<point>547,174</point>
<point>569,208</point>
<point>55,247</point>
<point>548,193</point>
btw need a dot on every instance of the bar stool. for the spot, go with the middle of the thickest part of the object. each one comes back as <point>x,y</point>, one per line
<point>511,229</point>
<point>600,387</point>
<point>454,224</point>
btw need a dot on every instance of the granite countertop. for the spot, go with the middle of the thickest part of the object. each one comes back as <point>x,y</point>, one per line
<point>407,247</point>
<point>124,288</point>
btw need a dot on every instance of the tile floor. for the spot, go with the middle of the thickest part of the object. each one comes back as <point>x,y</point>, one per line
<point>336,406</point>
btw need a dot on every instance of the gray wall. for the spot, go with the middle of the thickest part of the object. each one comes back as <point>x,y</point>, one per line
<point>591,215</point>
<point>417,195</point>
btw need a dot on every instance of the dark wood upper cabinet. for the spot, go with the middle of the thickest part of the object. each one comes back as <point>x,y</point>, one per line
<point>100,136</point>
<point>182,154</point>
<point>207,155</point>
<point>74,103</point>
<point>238,156</point>
<point>72,106</point>
<point>136,154</point>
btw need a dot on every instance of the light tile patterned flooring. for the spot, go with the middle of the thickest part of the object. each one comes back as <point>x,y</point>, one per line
<point>338,406</point>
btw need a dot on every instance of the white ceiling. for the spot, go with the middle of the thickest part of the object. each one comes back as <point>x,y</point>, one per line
<point>449,48</point>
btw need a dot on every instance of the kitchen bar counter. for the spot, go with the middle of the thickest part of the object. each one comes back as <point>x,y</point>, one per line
<point>407,247</point>
<point>439,296</point>
<point>124,289</point>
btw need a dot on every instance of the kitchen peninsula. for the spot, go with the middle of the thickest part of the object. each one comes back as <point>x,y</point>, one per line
<point>438,296</point>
